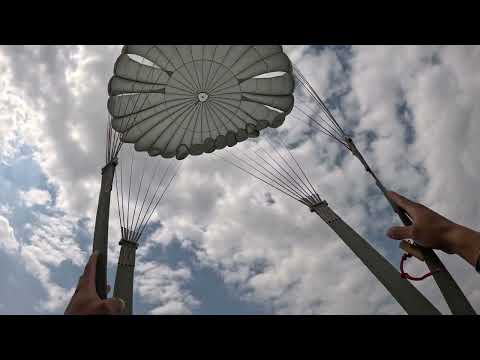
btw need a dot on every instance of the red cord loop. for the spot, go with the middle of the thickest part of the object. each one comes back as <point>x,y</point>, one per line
<point>405,275</point>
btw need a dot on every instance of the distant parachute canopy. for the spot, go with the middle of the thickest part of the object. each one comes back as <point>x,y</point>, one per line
<point>180,100</point>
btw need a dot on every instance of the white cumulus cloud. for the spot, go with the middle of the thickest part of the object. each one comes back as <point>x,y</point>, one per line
<point>8,242</point>
<point>35,197</point>
<point>161,286</point>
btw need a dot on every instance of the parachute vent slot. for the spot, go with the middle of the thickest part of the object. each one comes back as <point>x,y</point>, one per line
<point>274,109</point>
<point>142,61</point>
<point>270,75</point>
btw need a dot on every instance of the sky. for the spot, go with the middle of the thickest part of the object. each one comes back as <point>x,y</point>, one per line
<point>220,241</point>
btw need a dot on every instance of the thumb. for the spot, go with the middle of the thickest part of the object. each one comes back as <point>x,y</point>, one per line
<point>400,232</point>
<point>114,306</point>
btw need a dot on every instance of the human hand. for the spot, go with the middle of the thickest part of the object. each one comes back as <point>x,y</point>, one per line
<point>432,230</point>
<point>85,300</point>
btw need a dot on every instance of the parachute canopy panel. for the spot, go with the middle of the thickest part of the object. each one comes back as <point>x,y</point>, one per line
<point>180,100</point>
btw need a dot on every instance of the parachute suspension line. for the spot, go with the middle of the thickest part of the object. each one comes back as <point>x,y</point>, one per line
<point>274,180</point>
<point>452,293</point>
<point>298,190</point>
<point>332,128</point>
<point>329,132</point>
<point>177,168</point>
<point>304,189</point>
<point>138,193</point>
<point>289,179</point>
<point>141,219</point>
<point>118,204</point>
<point>311,91</point>
<point>308,190</point>
<point>136,206</point>
<point>273,169</point>
<point>113,143</point>
<point>107,142</point>
<point>313,191</point>
<point>292,188</point>
<point>319,129</point>
<point>343,138</point>
<point>411,300</point>
<point>146,195</point>
<point>122,219</point>
<point>255,176</point>
<point>129,189</point>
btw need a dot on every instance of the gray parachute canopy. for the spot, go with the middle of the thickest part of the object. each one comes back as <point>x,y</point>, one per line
<point>180,100</point>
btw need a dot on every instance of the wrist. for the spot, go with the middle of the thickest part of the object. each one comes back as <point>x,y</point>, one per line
<point>465,243</point>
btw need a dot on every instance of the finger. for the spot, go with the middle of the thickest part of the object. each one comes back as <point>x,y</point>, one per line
<point>113,306</point>
<point>402,201</point>
<point>400,232</point>
<point>90,268</point>
<point>80,284</point>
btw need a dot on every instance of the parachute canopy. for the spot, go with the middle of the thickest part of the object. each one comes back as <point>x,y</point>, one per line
<point>180,100</point>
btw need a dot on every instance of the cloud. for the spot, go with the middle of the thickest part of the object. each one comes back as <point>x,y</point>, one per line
<point>5,210</point>
<point>161,286</point>
<point>8,242</point>
<point>68,126</point>
<point>15,113</point>
<point>35,197</point>
<point>45,100</point>
<point>52,242</point>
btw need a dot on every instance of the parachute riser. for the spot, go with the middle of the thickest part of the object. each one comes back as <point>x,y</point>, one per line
<point>409,298</point>
<point>399,211</point>
<point>100,236</point>
<point>452,293</point>
<point>123,287</point>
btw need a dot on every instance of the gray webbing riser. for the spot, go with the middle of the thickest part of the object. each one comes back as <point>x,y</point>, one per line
<point>123,288</point>
<point>409,298</point>
<point>100,236</point>
<point>453,295</point>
